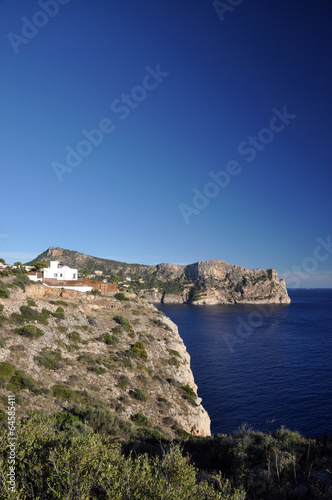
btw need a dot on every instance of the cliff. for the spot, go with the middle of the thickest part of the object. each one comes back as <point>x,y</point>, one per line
<point>97,352</point>
<point>209,282</point>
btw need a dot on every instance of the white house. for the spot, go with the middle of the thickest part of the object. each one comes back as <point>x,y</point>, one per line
<point>55,271</point>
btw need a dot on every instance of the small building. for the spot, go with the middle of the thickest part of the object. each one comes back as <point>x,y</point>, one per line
<point>58,272</point>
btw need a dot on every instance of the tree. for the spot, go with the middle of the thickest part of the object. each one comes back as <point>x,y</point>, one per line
<point>114,278</point>
<point>3,261</point>
<point>85,272</point>
<point>40,265</point>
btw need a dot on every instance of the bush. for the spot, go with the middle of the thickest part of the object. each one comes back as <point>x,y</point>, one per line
<point>4,292</point>
<point>1,308</point>
<point>57,465</point>
<point>138,394</point>
<point>30,331</point>
<point>174,362</point>
<point>189,394</point>
<point>124,323</point>
<point>139,349</point>
<point>121,296</point>
<point>50,359</point>
<point>28,314</point>
<point>21,281</point>
<point>108,339</point>
<point>7,371</point>
<point>75,336</point>
<point>58,303</point>
<point>31,302</point>
<point>22,380</point>
<point>140,419</point>
<point>59,313</point>
<point>95,291</point>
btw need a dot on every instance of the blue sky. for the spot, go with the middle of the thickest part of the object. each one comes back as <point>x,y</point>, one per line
<point>178,90</point>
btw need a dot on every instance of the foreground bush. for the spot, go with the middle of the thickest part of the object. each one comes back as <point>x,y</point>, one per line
<point>87,466</point>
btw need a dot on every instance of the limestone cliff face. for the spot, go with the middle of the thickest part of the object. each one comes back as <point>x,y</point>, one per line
<point>154,378</point>
<point>220,283</point>
<point>216,282</point>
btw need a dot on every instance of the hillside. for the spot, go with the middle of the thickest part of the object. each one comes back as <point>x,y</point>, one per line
<point>209,282</point>
<point>123,355</point>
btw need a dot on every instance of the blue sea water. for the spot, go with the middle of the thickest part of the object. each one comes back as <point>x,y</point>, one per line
<point>266,366</point>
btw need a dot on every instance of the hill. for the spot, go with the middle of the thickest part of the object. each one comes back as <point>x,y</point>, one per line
<point>209,282</point>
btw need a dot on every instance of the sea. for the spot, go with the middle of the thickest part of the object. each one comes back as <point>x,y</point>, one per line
<point>262,365</point>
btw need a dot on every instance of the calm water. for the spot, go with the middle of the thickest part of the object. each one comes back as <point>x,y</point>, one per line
<point>267,366</point>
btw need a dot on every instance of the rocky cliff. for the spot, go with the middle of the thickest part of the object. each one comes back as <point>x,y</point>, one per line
<point>209,282</point>
<point>60,348</point>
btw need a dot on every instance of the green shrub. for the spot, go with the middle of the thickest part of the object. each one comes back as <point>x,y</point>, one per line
<point>50,359</point>
<point>189,391</point>
<point>58,303</point>
<point>31,302</point>
<point>59,313</point>
<point>4,292</point>
<point>28,314</point>
<point>22,380</point>
<point>124,323</point>
<point>1,308</point>
<point>138,394</point>
<point>189,394</point>
<point>7,371</point>
<point>30,331</point>
<point>139,349</point>
<point>75,336</point>
<point>174,353</point>
<point>99,370</point>
<point>95,291</point>
<point>174,362</point>
<point>140,419</point>
<point>121,296</point>
<point>108,339</point>
<point>66,394</point>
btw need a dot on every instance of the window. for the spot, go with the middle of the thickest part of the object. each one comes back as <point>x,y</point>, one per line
<point>74,276</point>
<point>55,275</point>
<point>60,275</point>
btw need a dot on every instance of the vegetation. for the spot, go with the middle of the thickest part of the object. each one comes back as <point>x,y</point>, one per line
<point>121,296</point>
<point>30,331</point>
<point>59,313</point>
<point>52,360</point>
<point>138,394</point>
<point>124,323</point>
<point>108,339</point>
<point>73,454</point>
<point>21,281</point>
<point>4,292</point>
<point>28,314</point>
<point>139,349</point>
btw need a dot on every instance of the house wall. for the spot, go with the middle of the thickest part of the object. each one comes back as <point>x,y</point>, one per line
<point>62,273</point>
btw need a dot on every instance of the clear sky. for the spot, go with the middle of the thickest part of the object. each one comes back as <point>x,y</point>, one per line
<point>214,136</point>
